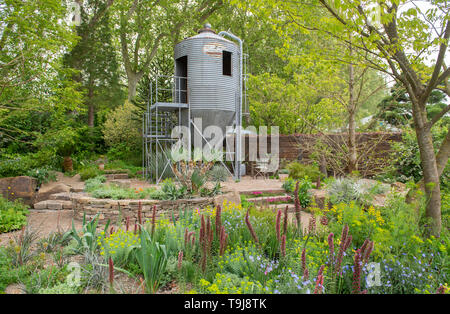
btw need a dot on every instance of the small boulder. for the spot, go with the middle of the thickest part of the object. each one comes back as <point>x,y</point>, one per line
<point>22,187</point>
<point>51,188</point>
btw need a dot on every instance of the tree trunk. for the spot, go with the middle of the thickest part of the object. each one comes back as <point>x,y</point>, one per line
<point>351,121</point>
<point>443,154</point>
<point>352,143</point>
<point>133,80</point>
<point>441,162</point>
<point>91,115</point>
<point>91,109</point>
<point>430,171</point>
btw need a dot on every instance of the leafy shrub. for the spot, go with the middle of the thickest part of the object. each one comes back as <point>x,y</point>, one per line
<point>231,283</point>
<point>218,173</point>
<point>62,288</point>
<point>298,171</point>
<point>90,172</point>
<point>121,133</point>
<point>20,249</point>
<point>247,261</point>
<point>12,215</point>
<point>94,183</point>
<point>118,246</point>
<point>289,185</point>
<point>87,240</point>
<point>171,191</point>
<point>121,127</point>
<point>346,190</point>
<point>304,186</point>
<point>16,165</point>
<point>304,196</point>
<point>407,164</point>
<point>122,166</point>
<point>124,151</point>
<point>46,279</point>
<point>42,175</point>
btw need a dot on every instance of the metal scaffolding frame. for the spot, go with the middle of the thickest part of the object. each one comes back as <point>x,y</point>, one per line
<point>159,120</point>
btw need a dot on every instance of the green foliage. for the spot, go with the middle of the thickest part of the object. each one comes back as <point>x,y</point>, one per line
<point>45,279</point>
<point>16,165</point>
<point>94,183</point>
<point>20,249</point>
<point>62,288</point>
<point>121,127</point>
<point>42,175</point>
<point>407,163</point>
<point>298,171</point>
<point>304,196</point>
<point>229,283</point>
<point>36,90</point>
<point>218,173</point>
<point>119,246</point>
<point>346,190</point>
<point>90,172</point>
<point>12,215</point>
<point>396,109</point>
<point>123,166</point>
<point>171,191</point>
<point>152,259</point>
<point>87,239</point>
<point>275,101</point>
<point>304,186</point>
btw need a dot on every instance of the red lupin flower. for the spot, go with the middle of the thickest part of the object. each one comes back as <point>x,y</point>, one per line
<point>277,225</point>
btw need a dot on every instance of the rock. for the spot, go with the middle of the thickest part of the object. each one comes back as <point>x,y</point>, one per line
<point>51,188</point>
<point>15,289</point>
<point>22,187</point>
<point>40,205</point>
<point>120,176</point>
<point>61,196</point>
<point>54,205</point>
<point>231,197</point>
<point>67,204</point>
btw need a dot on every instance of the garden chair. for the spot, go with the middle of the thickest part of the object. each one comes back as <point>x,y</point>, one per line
<point>266,165</point>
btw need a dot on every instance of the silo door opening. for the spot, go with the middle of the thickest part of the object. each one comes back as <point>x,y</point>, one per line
<point>181,79</point>
<point>226,63</point>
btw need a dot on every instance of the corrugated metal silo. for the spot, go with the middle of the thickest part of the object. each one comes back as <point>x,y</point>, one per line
<point>211,64</point>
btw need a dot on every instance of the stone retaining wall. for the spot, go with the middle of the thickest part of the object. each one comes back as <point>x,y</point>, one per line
<point>81,204</point>
<point>112,209</point>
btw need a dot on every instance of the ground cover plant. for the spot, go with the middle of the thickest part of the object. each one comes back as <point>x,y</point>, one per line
<point>12,215</point>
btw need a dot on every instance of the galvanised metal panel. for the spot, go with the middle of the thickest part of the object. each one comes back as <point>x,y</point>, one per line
<point>210,91</point>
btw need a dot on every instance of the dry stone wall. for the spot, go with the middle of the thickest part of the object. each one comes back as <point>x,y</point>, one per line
<point>82,204</point>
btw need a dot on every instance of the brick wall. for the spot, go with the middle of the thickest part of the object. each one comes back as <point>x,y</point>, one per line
<point>373,147</point>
